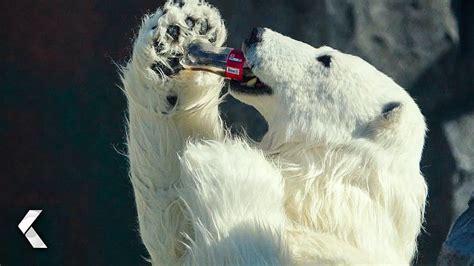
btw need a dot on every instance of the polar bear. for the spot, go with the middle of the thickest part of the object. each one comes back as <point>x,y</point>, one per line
<point>335,180</point>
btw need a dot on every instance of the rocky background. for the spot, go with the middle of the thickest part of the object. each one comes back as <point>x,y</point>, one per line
<point>62,114</point>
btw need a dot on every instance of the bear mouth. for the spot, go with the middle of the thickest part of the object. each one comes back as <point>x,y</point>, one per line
<point>251,85</point>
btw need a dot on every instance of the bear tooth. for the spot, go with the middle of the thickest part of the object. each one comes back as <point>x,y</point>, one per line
<point>252,82</point>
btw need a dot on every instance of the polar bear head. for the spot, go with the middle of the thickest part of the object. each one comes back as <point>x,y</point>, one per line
<point>326,96</point>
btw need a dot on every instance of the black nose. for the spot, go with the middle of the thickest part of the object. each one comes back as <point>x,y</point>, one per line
<point>255,36</point>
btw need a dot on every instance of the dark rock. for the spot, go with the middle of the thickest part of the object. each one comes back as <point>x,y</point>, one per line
<point>461,140</point>
<point>458,249</point>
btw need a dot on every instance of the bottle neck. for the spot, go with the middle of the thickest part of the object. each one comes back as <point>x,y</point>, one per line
<point>224,61</point>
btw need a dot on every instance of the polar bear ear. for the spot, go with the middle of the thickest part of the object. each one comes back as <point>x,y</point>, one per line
<point>390,116</point>
<point>389,109</point>
<point>386,123</point>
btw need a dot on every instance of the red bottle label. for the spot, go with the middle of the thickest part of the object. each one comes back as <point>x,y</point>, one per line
<point>235,65</point>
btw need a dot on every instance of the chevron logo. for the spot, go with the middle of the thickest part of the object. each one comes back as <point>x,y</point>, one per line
<point>28,231</point>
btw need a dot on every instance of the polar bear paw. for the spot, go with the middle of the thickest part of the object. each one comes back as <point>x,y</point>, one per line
<point>165,34</point>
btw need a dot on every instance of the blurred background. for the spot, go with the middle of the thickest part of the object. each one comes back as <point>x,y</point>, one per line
<point>62,113</point>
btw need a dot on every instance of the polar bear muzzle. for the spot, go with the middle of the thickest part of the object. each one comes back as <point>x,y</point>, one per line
<point>253,85</point>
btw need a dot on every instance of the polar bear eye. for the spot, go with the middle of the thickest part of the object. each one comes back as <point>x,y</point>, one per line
<point>325,60</point>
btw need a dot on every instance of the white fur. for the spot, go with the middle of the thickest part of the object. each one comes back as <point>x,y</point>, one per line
<point>236,208</point>
<point>333,181</point>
